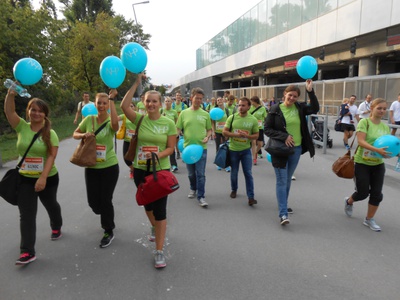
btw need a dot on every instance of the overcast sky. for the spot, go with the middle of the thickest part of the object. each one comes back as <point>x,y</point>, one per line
<point>178,29</point>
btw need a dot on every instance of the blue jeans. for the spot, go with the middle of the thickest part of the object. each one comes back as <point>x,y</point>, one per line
<point>245,158</point>
<point>284,180</point>
<point>197,175</point>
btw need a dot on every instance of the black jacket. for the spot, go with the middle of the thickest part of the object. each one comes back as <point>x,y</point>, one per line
<point>275,126</point>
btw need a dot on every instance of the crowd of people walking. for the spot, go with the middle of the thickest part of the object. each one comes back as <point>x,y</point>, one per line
<point>245,123</point>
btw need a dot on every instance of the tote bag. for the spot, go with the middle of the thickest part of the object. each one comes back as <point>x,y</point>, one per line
<point>223,159</point>
<point>85,153</point>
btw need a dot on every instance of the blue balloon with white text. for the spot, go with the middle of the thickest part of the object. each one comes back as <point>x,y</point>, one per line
<point>134,57</point>
<point>28,71</point>
<point>112,72</point>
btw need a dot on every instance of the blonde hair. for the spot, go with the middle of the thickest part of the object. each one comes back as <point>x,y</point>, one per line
<point>376,102</point>
<point>151,92</point>
<point>345,100</point>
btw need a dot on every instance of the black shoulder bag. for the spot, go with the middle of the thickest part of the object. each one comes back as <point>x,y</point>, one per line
<point>10,182</point>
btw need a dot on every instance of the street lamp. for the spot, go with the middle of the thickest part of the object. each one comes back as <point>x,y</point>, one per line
<point>133,6</point>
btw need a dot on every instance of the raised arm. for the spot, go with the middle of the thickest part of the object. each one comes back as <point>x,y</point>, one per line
<point>9,109</point>
<point>126,102</point>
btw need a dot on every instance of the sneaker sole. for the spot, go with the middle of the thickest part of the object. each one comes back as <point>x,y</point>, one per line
<point>373,229</point>
<point>151,239</point>
<point>105,246</point>
<point>56,238</point>
<point>203,205</point>
<point>22,263</point>
<point>160,266</point>
<point>285,222</point>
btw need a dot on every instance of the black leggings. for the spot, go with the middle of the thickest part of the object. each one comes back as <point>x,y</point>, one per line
<point>28,205</point>
<point>159,207</point>
<point>369,181</point>
<point>100,185</point>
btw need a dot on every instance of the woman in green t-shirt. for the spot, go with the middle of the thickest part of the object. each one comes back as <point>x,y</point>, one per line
<point>369,170</point>
<point>38,174</point>
<point>102,178</point>
<point>157,134</point>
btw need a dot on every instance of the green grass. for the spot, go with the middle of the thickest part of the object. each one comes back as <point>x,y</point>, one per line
<point>64,127</point>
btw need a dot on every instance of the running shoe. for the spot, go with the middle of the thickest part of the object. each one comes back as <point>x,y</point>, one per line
<point>159,259</point>
<point>372,224</point>
<point>55,234</point>
<point>25,258</point>
<point>106,240</point>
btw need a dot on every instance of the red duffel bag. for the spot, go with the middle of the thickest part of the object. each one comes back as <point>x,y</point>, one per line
<point>156,185</point>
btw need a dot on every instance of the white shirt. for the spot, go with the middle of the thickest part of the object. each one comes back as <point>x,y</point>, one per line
<point>395,107</point>
<point>353,110</point>
<point>363,108</point>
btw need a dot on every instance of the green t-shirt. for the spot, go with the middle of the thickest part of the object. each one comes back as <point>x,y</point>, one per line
<point>260,115</point>
<point>220,124</point>
<point>37,155</point>
<point>248,124</point>
<point>231,109</point>
<point>170,114</point>
<point>292,119</point>
<point>153,137</point>
<point>106,156</point>
<point>129,128</point>
<point>178,107</point>
<point>195,124</point>
<point>141,108</point>
<point>373,131</point>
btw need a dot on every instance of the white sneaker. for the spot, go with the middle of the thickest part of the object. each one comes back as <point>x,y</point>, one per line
<point>371,224</point>
<point>293,178</point>
<point>192,194</point>
<point>202,203</point>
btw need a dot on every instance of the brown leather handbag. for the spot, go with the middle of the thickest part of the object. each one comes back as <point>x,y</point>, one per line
<point>344,166</point>
<point>85,153</point>
<point>131,153</point>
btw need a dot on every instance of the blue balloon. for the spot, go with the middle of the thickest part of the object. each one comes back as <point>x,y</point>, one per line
<point>216,114</point>
<point>112,72</point>
<point>180,144</point>
<point>307,67</point>
<point>269,158</point>
<point>134,57</point>
<point>192,154</point>
<point>89,110</point>
<point>28,71</point>
<point>391,142</point>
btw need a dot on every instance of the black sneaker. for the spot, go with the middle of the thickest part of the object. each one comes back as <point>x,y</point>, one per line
<point>106,240</point>
<point>290,211</point>
<point>55,234</point>
<point>25,258</point>
<point>284,220</point>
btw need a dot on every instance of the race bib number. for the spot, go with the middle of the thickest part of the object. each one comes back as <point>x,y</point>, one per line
<point>241,139</point>
<point>129,133</point>
<point>369,155</point>
<point>141,158</point>
<point>220,125</point>
<point>32,166</point>
<point>101,151</point>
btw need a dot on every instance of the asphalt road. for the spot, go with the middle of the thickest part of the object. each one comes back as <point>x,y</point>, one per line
<point>228,251</point>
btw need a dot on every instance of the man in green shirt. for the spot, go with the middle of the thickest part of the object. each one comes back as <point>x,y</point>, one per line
<point>196,125</point>
<point>244,129</point>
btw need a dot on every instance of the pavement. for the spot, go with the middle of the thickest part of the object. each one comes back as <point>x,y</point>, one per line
<point>227,251</point>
